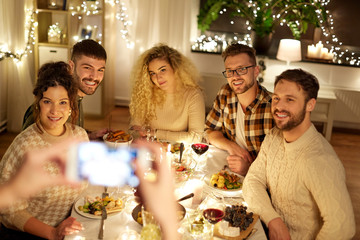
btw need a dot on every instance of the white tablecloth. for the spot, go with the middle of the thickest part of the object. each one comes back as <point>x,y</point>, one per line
<point>118,224</point>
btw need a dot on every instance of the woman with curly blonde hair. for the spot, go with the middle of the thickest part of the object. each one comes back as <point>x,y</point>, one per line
<point>166,96</point>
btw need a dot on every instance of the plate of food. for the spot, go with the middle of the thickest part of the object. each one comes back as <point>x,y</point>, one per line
<point>136,213</point>
<point>90,207</point>
<point>225,181</point>
<point>117,138</point>
<point>237,223</point>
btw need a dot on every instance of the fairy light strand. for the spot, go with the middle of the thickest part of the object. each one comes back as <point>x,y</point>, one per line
<point>30,25</point>
<point>123,17</point>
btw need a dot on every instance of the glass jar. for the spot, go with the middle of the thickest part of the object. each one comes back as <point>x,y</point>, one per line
<point>151,229</point>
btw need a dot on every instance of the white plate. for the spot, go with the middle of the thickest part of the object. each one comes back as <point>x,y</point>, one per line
<point>81,202</point>
<point>225,192</point>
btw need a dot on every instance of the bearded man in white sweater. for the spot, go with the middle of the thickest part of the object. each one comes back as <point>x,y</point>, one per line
<point>308,197</point>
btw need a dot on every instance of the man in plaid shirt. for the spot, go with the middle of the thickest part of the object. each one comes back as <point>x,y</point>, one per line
<point>241,113</point>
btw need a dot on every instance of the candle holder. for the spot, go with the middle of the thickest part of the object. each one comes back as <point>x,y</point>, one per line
<point>319,52</point>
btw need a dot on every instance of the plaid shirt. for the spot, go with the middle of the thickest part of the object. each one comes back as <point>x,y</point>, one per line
<point>258,118</point>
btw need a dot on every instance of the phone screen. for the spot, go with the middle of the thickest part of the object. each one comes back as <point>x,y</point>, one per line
<point>101,165</point>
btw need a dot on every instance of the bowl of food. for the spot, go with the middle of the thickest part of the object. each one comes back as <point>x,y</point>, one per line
<point>136,213</point>
<point>184,169</point>
<point>118,138</point>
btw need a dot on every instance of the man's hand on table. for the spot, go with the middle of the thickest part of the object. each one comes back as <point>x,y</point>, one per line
<point>239,159</point>
<point>234,149</point>
<point>67,227</point>
<point>278,230</point>
<point>238,164</point>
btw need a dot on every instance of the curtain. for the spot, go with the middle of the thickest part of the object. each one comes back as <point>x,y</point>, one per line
<point>15,78</point>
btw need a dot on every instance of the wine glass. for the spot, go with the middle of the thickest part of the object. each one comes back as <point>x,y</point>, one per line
<point>213,209</point>
<point>214,213</point>
<point>200,145</point>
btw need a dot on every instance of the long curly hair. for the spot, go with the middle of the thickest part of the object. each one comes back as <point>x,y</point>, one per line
<point>146,96</point>
<point>51,75</point>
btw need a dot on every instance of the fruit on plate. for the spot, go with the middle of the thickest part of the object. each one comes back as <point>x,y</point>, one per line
<point>237,216</point>
<point>236,219</point>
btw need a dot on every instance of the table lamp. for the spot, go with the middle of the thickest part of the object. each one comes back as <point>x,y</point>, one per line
<point>289,50</point>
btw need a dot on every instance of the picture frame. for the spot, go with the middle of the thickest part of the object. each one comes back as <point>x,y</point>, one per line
<point>87,32</point>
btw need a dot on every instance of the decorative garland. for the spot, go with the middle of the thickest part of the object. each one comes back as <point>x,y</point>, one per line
<point>29,32</point>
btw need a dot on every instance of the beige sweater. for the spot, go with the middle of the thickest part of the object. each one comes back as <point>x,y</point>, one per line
<point>52,205</point>
<point>306,181</point>
<point>182,122</point>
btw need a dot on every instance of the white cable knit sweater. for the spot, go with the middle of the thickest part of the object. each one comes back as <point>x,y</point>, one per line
<point>306,181</point>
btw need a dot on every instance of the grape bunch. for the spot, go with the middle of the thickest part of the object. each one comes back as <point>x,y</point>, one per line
<point>237,216</point>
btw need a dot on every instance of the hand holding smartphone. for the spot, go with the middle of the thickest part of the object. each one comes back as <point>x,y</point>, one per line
<point>102,165</point>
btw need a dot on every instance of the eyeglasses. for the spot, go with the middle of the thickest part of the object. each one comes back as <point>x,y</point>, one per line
<point>239,71</point>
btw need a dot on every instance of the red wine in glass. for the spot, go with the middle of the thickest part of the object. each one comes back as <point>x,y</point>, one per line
<point>199,148</point>
<point>213,215</point>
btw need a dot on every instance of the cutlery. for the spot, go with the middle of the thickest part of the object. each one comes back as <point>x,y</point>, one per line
<point>186,197</point>
<point>181,151</point>
<point>103,215</point>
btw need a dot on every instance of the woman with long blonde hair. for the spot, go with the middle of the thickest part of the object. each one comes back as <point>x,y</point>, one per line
<point>166,96</point>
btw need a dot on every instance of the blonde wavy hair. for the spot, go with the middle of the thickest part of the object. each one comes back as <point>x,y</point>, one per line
<point>146,96</point>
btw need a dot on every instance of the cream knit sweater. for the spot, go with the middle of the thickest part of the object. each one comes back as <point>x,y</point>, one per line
<point>180,122</point>
<point>52,205</point>
<point>306,181</point>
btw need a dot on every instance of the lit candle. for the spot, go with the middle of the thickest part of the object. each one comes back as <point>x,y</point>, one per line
<point>324,53</point>
<point>330,55</point>
<point>311,51</point>
<point>319,46</point>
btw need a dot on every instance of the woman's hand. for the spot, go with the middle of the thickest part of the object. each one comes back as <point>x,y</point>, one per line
<point>66,227</point>
<point>32,177</point>
<point>158,195</point>
<point>144,132</point>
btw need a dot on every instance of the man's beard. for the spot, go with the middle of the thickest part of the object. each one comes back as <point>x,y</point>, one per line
<point>244,89</point>
<point>294,120</point>
<point>83,88</point>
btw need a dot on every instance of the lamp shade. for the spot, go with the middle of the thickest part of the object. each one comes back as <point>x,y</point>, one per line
<point>289,50</point>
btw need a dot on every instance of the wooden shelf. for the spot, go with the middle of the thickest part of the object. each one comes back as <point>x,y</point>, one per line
<point>52,11</point>
<point>47,44</point>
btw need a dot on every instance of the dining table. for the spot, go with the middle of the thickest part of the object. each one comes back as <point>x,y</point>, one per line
<point>121,225</point>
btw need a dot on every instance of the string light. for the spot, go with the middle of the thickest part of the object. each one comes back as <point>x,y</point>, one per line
<point>203,43</point>
<point>30,25</point>
<point>86,7</point>
<point>123,17</point>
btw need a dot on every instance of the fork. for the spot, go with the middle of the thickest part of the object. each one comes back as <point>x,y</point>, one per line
<point>103,214</point>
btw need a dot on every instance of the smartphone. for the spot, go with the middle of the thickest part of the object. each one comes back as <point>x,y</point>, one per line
<point>102,165</point>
